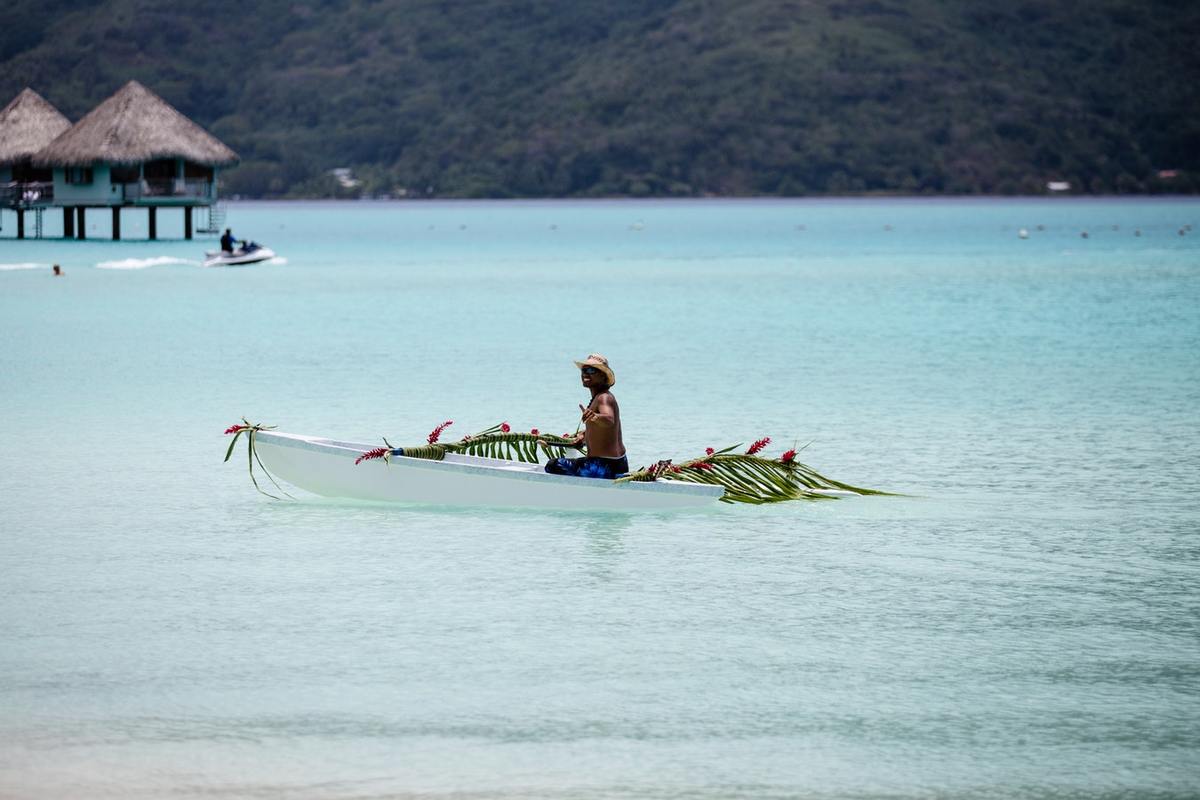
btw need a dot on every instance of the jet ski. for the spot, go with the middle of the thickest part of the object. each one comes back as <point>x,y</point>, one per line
<point>247,253</point>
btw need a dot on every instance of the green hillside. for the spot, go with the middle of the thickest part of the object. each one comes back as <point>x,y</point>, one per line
<point>524,98</point>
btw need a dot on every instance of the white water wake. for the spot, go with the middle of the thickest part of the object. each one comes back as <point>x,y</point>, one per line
<point>143,263</point>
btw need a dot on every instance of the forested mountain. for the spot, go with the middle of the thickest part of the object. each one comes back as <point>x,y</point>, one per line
<point>524,98</point>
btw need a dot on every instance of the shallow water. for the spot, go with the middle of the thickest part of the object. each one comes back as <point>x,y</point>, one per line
<point>1024,622</point>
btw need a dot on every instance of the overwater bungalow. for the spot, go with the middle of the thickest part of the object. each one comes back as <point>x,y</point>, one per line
<point>134,149</point>
<point>27,125</point>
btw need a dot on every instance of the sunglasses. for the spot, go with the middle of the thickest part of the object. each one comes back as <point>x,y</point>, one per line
<point>589,370</point>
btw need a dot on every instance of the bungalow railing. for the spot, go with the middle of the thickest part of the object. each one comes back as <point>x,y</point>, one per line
<point>168,188</point>
<point>25,194</point>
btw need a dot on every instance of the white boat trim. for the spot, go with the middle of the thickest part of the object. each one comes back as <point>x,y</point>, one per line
<point>326,467</point>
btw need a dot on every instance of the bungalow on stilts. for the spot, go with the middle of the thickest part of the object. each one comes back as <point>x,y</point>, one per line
<point>27,124</point>
<point>134,149</point>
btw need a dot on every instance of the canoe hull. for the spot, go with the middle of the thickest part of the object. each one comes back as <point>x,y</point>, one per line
<point>326,467</point>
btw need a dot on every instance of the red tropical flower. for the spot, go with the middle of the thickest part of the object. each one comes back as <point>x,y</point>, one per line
<point>533,431</point>
<point>759,445</point>
<point>235,429</point>
<point>702,465</point>
<point>378,452</point>
<point>658,468</point>
<point>676,469</point>
<point>788,457</point>
<point>433,437</point>
<point>708,451</point>
<point>504,427</point>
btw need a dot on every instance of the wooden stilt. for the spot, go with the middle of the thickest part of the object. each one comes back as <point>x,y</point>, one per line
<point>116,223</point>
<point>153,222</point>
<point>187,222</point>
<point>68,222</point>
<point>81,223</point>
<point>20,223</point>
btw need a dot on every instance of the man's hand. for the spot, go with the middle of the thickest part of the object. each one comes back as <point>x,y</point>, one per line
<point>597,417</point>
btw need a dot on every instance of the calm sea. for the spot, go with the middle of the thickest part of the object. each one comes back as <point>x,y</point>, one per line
<point>1025,622</point>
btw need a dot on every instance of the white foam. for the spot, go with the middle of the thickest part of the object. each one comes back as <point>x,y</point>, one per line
<point>277,260</point>
<point>143,263</point>
<point>24,265</point>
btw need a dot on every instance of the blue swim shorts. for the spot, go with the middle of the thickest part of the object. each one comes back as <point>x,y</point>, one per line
<point>589,467</point>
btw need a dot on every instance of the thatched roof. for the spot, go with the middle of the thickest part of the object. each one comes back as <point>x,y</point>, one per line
<point>28,124</point>
<point>132,126</point>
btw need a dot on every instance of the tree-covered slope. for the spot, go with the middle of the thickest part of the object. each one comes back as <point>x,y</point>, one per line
<point>653,97</point>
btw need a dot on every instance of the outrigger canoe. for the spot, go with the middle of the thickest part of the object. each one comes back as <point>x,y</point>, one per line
<point>328,467</point>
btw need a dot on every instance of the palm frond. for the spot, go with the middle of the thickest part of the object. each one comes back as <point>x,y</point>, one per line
<point>250,429</point>
<point>749,478</point>
<point>495,443</point>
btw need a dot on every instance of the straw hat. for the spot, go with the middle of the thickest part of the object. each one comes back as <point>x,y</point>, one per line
<point>601,363</point>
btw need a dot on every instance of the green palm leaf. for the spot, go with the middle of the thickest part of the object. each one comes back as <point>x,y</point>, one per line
<point>495,443</point>
<point>751,478</point>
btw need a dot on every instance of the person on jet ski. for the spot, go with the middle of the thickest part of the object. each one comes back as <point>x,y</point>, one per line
<point>227,242</point>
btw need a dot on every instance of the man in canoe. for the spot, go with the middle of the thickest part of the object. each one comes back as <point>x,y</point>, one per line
<point>602,427</point>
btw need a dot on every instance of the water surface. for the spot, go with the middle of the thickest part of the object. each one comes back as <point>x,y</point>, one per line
<point>1024,622</point>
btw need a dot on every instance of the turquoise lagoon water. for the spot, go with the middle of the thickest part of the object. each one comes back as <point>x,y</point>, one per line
<point>1026,622</point>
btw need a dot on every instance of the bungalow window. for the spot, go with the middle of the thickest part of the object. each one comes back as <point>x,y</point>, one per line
<point>79,175</point>
<point>125,174</point>
<point>24,172</point>
<point>160,169</point>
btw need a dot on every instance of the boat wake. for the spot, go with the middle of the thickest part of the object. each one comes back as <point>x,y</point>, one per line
<point>144,263</point>
<point>278,260</point>
<point>23,265</point>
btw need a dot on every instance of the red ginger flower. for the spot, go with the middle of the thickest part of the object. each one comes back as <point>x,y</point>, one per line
<point>759,446</point>
<point>702,465</point>
<point>658,468</point>
<point>433,437</point>
<point>708,451</point>
<point>504,427</point>
<point>378,452</point>
<point>788,457</point>
<point>533,431</point>
<point>235,429</point>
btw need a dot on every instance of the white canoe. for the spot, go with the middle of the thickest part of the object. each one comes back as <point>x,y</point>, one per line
<point>326,467</point>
